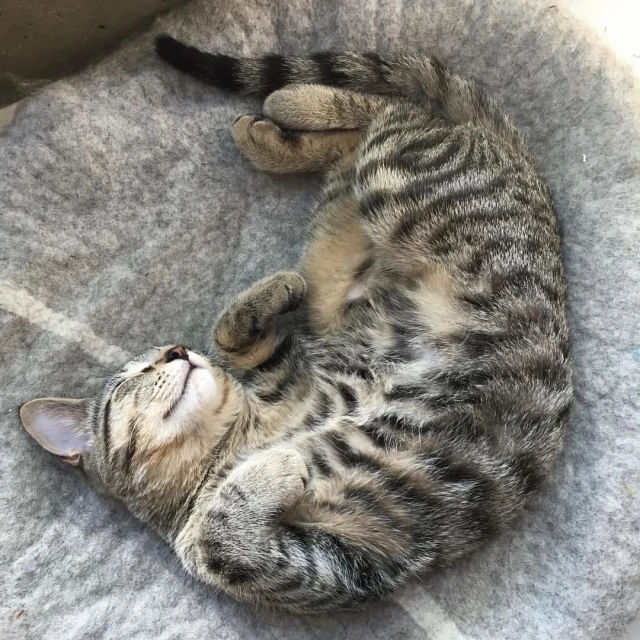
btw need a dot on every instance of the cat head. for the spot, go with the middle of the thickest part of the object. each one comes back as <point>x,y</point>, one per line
<point>155,420</point>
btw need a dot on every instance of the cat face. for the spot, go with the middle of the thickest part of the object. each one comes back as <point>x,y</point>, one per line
<point>154,417</point>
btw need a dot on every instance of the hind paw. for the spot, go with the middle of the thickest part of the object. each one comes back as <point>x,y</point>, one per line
<point>260,140</point>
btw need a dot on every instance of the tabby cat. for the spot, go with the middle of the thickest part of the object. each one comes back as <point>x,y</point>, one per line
<point>418,394</point>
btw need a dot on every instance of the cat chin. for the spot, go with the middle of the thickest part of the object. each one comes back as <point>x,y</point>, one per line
<point>201,397</point>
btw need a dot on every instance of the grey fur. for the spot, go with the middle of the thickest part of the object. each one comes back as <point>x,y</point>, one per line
<point>420,395</point>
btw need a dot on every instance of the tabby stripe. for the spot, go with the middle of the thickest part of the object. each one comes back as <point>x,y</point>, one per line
<point>527,467</point>
<point>281,353</point>
<point>106,431</point>
<point>328,69</point>
<point>95,421</point>
<point>281,560</point>
<point>292,137</point>
<point>463,380</point>
<point>233,493</point>
<point>420,498</point>
<point>283,385</point>
<point>523,279</point>
<point>422,394</point>
<point>424,139</point>
<point>348,397</point>
<point>403,348</point>
<point>397,304</point>
<point>440,93</point>
<point>214,459</point>
<point>405,391</point>
<point>343,451</point>
<point>374,140</point>
<point>329,196</point>
<point>487,187</point>
<point>444,153</point>
<point>433,178</point>
<point>437,163</point>
<point>293,583</point>
<point>380,437</point>
<point>351,458</point>
<point>322,409</point>
<point>452,225</point>
<point>366,499</point>
<point>364,266</point>
<point>375,203</point>
<point>319,461</point>
<point>352,369</point>
<point>399,423</point>
<point>378,66</point>
<point>220,70</point>
<point>131,447</point>
<point>427,161</point>
<point>363,373</point>
<point>274,72</point>
<point>459,421</point>
<point>298,540</point>
<point>479,520</point>
<point>381,202</point>
<point>236,573</point>
<point>480,344</point>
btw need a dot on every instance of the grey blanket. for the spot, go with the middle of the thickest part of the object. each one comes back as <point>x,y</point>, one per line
<point>129,219</point>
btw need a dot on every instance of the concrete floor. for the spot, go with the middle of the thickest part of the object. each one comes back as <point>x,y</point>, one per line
<point>617,23</point>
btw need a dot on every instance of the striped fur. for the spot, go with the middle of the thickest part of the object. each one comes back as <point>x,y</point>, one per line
<point>394,407</point>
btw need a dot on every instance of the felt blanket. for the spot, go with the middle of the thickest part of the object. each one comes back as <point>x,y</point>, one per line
<point>128,219</point>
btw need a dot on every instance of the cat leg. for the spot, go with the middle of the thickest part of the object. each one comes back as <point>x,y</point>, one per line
<point>224,536</point>
<point>244,334</point>
<point>335,261</point>
<point>241,541</point>
<point>314,107</point>
<point>269,148</point>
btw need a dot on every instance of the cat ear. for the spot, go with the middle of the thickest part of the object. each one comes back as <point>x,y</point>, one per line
<point>59,426</point>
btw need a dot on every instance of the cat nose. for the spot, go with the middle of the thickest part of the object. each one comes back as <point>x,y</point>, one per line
<point>176,353</point>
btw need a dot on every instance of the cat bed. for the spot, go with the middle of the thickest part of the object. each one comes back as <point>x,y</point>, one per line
<point>128,219</point>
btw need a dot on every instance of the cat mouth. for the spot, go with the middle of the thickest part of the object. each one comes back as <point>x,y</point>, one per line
<point>185,384</point>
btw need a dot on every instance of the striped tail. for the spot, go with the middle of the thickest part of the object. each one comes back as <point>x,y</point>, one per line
<point>416,77</point>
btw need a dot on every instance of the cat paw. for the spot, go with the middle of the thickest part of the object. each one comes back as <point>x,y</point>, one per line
<point>260,140</point>
<point>283,474</point>
<point>272,480</point>
<point>251,314</point>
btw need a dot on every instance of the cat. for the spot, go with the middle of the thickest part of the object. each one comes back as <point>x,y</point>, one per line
<point>392,405</point>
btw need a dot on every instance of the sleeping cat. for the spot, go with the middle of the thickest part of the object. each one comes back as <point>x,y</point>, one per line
<point>418,394</point>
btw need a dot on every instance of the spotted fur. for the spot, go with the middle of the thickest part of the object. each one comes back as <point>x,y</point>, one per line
<point>391,406</point>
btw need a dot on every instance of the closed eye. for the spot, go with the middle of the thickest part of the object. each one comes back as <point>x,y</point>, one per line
<point>147,369</point>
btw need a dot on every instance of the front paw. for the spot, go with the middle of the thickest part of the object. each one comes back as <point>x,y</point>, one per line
<point>250,316</point>
<point>277,477</point>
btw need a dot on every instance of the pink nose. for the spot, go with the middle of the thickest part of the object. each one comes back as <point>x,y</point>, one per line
<point>176,353</point>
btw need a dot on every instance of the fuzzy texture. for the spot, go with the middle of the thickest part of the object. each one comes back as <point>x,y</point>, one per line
<point>566,570</point>
<point>419,394</point>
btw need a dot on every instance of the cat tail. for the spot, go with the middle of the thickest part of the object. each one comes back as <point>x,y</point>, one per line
<point>415,77</point>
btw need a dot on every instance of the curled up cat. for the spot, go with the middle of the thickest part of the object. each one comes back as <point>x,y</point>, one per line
<point>394,403</point>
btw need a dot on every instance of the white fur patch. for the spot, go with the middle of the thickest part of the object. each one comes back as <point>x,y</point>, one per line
<point>356,292</point>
